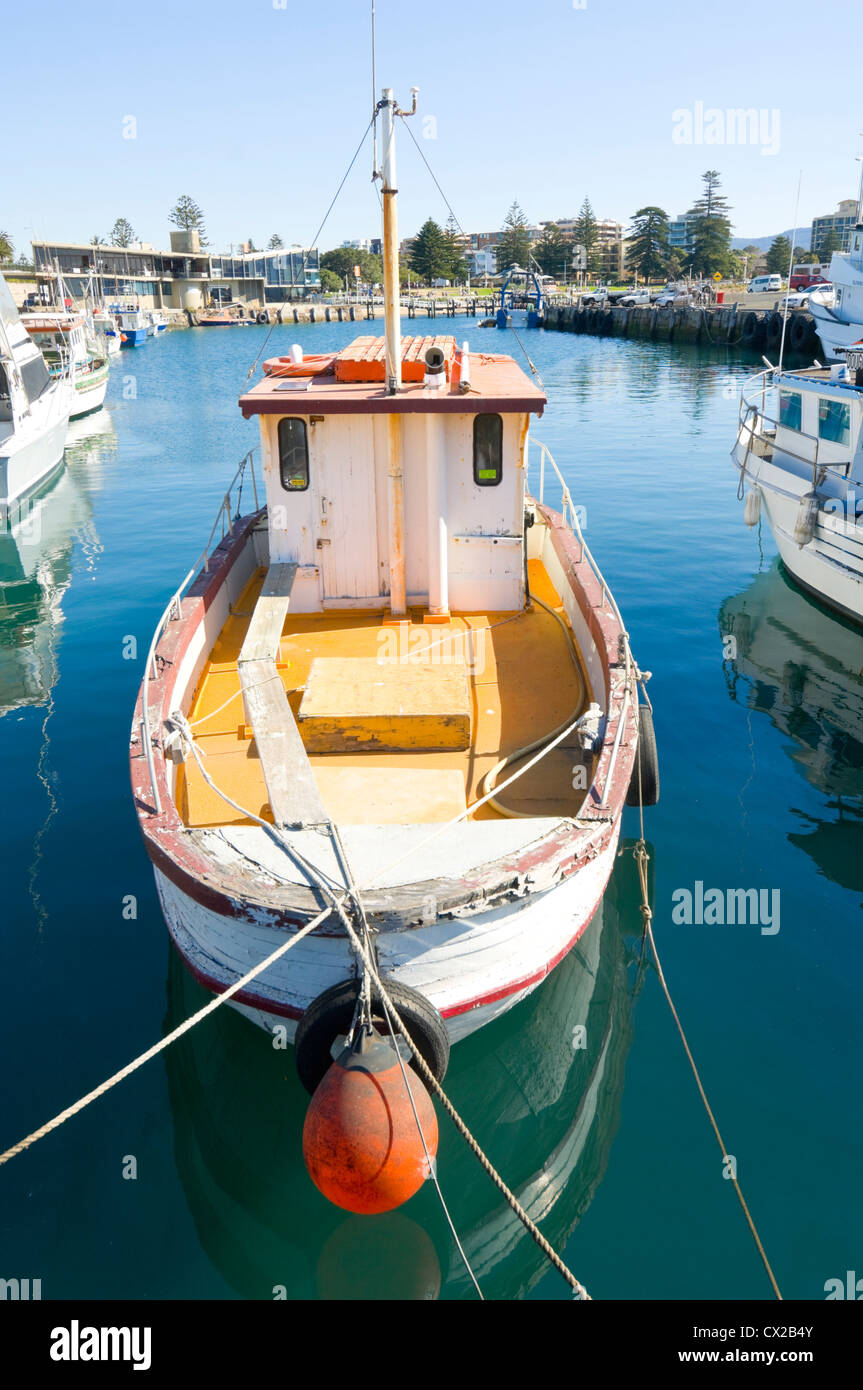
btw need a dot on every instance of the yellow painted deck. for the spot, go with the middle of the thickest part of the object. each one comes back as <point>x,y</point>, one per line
<point>521,685</point>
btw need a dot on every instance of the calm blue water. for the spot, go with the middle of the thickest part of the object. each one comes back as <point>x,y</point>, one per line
<point>762,767</point>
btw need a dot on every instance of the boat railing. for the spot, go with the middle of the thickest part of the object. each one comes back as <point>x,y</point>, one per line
<point>756,421</point>
<point>228,513</point>
<point>569,512</point>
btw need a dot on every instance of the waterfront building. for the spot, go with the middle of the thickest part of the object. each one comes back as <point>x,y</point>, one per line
<point>185,277</point>
<point>842,222</point>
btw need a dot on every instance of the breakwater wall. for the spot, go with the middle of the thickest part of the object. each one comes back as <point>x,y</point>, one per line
<point>720,326</point>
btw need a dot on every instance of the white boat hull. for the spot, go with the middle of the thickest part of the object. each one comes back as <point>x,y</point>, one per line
<point>834,335</point>
<point>30,455</point>
<point>831,565</point>
<point>472,970</point>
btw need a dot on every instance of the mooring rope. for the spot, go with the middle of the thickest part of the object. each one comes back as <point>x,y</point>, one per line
<point>642,859</point>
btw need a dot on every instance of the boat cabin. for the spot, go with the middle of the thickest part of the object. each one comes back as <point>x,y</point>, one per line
<point>414,500</point>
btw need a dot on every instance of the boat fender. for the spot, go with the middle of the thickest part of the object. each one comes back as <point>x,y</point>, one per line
<point>752,507</point>
<point>648,757</point>
<point>807,518</point>
<point>263,316</point>
<point>330,1017</point>
<point>798,335</point>
<point>751,329</point>
<point>773,330</point>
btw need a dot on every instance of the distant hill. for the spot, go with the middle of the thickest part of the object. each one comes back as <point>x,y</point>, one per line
<point>765,242</point>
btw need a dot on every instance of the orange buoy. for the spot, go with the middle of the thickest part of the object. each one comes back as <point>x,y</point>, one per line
<point>361,1143</point>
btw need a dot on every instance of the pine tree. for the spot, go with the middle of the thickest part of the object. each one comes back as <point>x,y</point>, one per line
<point>431,254</point>
<point>122,233</point>
<point>553,251</point>
<point>830,243</point>
<point>186,215</point>
<point>275,242</point>
<point>648,242</point>
<point>711,236</point>
<point>514,245</point>
<point>779,256</point>
<point>457,268</point>
<point>587,236</point>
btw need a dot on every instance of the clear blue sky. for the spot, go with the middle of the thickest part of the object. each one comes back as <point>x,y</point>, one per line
<point>256,110</point>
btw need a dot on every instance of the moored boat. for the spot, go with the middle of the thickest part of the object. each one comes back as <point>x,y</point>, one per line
<point>131,324</point>
<point>521,300</point>
<point>400,682</point>
<point>34,410</point>
<point>63,340</point>
<point>798,452</point>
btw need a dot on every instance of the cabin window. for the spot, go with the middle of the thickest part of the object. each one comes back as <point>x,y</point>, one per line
<point>790,408</point>
<point>294,455</point>
<point>834,421</point>
<point>487,450</point>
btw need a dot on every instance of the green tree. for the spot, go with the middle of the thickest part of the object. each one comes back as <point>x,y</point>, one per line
<point>553,251</point>
<point>331,283</point>
<point>779,255</point>
<point>514,245</point>
<point>830,242</point>
<point>587,235</point>
<point>186,215</point>
<point>457,269</point>
<point>676,263</point>
<point>7,250</point>
<point>275,243</point>
<point>342,259</point>
<point>431,253</point>
<point>97,241</point>
<point>251,245</point>
<point>711,236</point>
<point>122,233</point>
<point>648,242</point>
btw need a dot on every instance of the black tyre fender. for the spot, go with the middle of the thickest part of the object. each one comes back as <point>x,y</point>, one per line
<point>648,757</point>
<point>263,316</point>
<point>773,330</point>
<point>331,1014</point>
<point>751,329</point>
<point>798,335</point>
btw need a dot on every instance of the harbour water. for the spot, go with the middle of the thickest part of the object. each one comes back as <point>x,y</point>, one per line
<point>187,1180</point>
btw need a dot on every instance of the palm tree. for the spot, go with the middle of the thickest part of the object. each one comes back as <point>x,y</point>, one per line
<point>7,250</point>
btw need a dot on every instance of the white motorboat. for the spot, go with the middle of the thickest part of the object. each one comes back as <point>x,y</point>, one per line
<point>34,410</point>
<point>799,451</point>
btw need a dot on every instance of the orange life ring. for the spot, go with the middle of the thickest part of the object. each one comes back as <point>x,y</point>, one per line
<point>313,365</point>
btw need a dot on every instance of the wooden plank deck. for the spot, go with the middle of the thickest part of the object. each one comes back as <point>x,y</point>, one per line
<point>295,800</point>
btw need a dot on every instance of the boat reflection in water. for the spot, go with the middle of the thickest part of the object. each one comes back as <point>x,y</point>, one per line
<point>803,667</point>
<point>36,547</point>
<point>544,1109</point>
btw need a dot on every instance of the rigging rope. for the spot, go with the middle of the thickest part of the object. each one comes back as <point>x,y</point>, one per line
<point>318,233</point>
<point>642,859</point>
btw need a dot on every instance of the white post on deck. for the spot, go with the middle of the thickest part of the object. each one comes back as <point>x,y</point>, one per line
<point>436,510</point>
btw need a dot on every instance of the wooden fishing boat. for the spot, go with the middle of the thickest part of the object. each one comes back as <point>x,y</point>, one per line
<point>399,680</point>
<point>63,340</point>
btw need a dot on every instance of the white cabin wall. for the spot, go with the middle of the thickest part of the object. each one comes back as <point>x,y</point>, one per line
<point>291,518</point>
<point>485,524</point>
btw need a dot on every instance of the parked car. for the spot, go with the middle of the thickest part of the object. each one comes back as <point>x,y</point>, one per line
<point>764,284</point>
<point>635,297</point>
<point>597,296</point>
<point>670,296</point>
<point>800,298</point>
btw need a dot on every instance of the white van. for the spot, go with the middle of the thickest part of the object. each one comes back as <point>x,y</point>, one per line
<point>764,284</point>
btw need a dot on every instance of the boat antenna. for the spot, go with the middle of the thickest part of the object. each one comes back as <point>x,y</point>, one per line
<point>392,291</point>
<point>375,168</point>
<point>790,268</point>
